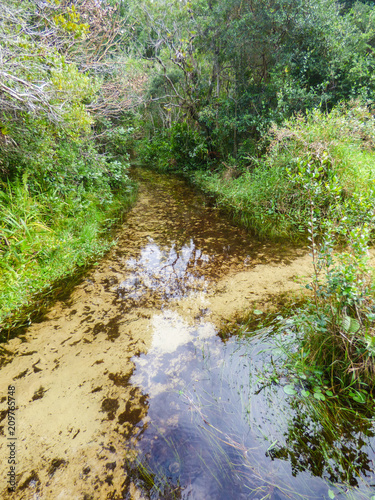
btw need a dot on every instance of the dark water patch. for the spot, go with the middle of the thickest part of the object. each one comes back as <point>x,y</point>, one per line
<point>131,415</point>
<point>111,328</point>
<point>21,375</point>
<point>110,406</point>
<point>32,481</point>
<point>119,379</point>
<point>39,393</point>
<point>86,470</point>
<point>110,465</point>
<point>6,356</point>
<point>56,463</point>
<point>36,369</point>
<point>109,480</point>
<point>99,328</point>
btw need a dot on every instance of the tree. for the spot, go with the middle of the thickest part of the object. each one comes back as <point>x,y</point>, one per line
<point>232,68</point>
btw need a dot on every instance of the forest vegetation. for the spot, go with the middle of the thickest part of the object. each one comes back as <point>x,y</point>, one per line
<point>265,104</point>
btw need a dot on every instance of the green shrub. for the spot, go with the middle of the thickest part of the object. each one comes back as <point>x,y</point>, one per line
<point>178,149</point>
<point>269,198</point>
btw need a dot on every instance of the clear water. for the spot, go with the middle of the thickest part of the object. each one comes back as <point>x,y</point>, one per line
<point>127,391</point>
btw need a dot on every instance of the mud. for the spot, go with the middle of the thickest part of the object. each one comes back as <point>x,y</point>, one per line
<point>177,265</point>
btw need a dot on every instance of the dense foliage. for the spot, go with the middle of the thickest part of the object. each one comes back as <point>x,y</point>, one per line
<point>230,69</point>
<point>60,187</point>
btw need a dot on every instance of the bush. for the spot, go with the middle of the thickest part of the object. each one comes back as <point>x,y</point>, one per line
<point>339,325</point>
<point>178,149</point>
<point>269,198</point>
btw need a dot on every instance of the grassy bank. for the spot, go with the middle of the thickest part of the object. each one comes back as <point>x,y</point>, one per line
<point>47,235</point>
<point>267,195</point>
<point>317,180</point>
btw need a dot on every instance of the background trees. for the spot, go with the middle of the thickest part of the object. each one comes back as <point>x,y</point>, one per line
<point>230,69</point>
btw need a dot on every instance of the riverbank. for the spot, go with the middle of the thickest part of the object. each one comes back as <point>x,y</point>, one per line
<point>314,183</point>
<point>47,241</point>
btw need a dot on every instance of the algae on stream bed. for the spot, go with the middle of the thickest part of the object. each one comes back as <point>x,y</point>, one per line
<point>125,389</point>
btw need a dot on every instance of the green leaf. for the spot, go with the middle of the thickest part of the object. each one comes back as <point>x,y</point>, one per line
<point>257,312</point>
<point>354,326</point>
<point>290,390</point>
<point>272,445</point>
<point>370,343</point>
<point>345,323</point>
<point>319,396</point>
<point>305,394</point>
<point>350,325</point>
<point>331,494</point>
<point>329,393</point>
<point>359,397</point>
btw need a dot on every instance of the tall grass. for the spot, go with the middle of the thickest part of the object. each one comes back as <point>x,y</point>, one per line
<point>44,238</point>
<point>266,198</point>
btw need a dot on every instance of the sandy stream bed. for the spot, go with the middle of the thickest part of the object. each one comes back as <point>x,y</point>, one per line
<point>75,405</point>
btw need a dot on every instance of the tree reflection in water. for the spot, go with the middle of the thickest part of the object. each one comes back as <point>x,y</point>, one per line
<point>329,441</point>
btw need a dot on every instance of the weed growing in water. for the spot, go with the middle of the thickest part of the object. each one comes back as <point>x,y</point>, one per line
<point>154,483</point>
<point>327,434</point>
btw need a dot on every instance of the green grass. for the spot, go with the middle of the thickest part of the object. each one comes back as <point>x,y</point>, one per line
<point>45,239</point>
<point>267,199</point>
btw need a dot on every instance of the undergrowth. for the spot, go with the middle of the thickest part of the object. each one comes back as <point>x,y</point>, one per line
<point>265,196</point>
<point>333,331</point>
<point>47,236</point>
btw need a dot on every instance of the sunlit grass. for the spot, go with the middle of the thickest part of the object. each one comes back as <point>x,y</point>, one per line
<point>44,239</point>
<point>264,197</point>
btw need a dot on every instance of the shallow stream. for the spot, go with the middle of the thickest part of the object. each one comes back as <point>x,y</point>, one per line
<point>126,391</point>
